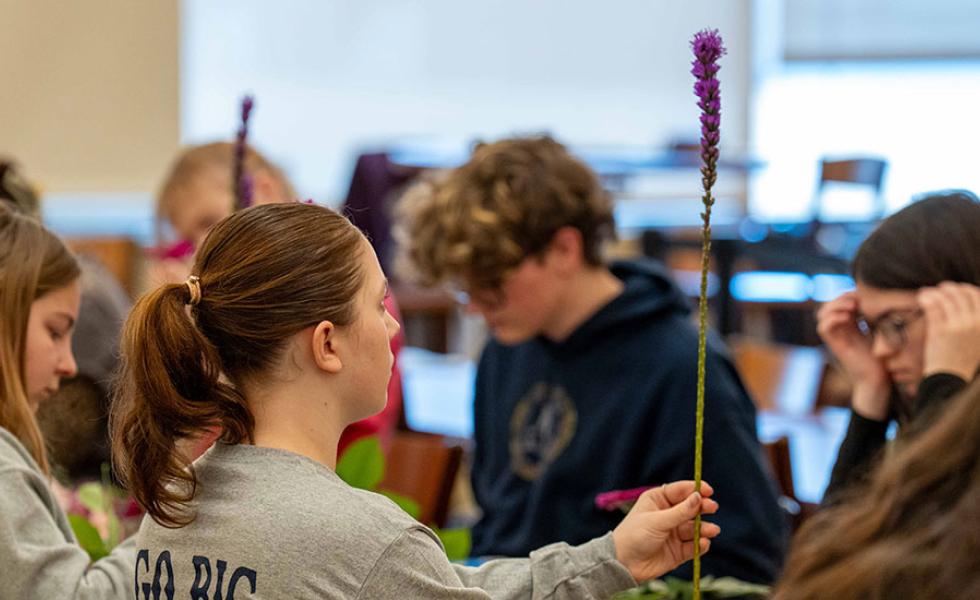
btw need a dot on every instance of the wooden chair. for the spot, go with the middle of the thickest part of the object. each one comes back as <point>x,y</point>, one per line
<point>427,315</point>
<point>423,467</point>
<point>835,387</point>
<point>120,255</point>
<point>782,466</point>
<point>780,377</point>
<point>861,171</point>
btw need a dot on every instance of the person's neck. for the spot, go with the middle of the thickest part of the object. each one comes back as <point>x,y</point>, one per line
<point>584,295</point>
<point>297,417</point>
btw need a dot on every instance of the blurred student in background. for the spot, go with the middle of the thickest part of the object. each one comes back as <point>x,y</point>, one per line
<point>40,295</point>
<point>74,419</point>
<point>909,335</point>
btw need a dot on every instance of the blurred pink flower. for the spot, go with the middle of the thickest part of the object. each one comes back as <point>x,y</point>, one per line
<point>619,499</point>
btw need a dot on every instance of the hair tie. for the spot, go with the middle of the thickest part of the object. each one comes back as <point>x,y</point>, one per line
<point>193,284</point>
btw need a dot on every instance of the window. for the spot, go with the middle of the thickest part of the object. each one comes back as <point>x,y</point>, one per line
<point>919,116</point>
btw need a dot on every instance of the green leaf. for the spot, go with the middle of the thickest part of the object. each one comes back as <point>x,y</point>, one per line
<point>92,496</point>
<point>457,542</point>
<point>729,587</point>
<point>680,589</point>
<point>88,537</point>
<point>654,589</point>
<point>98,499</point>
<point>115,531</point>
<point>404,502</point>
<point>363,464</point>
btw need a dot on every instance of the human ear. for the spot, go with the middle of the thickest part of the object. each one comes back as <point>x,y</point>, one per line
<point>325,354</point>
<point>566,248</point>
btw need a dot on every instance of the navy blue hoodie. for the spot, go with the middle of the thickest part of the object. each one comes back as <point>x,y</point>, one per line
<point>612,407</point>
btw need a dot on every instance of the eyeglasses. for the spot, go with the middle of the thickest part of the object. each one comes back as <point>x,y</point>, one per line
<point>490,299</point>
<point>893,328</point>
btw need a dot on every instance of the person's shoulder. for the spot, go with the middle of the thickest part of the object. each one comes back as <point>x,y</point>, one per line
<point>379,513</point>
<point>310,488</point>
<point>671,338</point>
<point>286,497</point>
<point>13,454</point>
<point>496,355</point>
<point>18,469</point>
<point>679,337</point>
<point>338,515</point>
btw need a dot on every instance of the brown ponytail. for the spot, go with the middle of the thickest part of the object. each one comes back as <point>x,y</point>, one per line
<point>170,389</point>
<point>264,274</point>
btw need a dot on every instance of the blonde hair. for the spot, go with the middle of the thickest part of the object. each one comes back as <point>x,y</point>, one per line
<point>476,223</point>
<point>33,262</point>
<point>195,161</point>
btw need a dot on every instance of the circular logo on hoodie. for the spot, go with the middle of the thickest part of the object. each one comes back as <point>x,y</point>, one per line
<point>541,427</point>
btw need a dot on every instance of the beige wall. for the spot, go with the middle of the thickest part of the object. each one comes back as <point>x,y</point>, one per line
<point>89,98</point>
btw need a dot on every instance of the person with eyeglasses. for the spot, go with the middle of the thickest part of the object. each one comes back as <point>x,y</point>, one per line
<point>908,336</point>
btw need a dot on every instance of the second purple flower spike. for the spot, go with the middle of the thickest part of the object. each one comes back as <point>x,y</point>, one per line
<point>241,181</point>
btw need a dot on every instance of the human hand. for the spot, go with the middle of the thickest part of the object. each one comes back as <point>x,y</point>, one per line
<point>658,533</point>
<point>952,315</point>
<point>837,327</point>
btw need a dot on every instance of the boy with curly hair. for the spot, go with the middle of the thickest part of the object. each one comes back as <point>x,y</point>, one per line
<point>588,384</point>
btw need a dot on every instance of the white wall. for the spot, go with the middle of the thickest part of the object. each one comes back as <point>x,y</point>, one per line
<point>865,29</point>
<point>90,99</point>
<point>333,76</point>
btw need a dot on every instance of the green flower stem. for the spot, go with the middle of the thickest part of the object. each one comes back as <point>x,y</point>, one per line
<point>702,339</point>
<point>708,48</point>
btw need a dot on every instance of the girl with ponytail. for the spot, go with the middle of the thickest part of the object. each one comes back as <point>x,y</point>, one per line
<point>39,300</point>
<point>281,338</point>
<point>195,194</point>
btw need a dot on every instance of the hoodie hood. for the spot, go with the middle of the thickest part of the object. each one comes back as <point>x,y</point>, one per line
<point>648,293</point>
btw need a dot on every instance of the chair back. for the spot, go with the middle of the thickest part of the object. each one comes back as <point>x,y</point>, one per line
<point>780,377</point>
<point>120,255</point>
<point>860,171</point>
<point>423,467</point>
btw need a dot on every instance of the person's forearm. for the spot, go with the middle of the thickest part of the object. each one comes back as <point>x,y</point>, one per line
<point>864,440</point>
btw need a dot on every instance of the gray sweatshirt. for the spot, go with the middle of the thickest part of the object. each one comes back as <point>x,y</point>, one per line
<point>40,558</point>
<point>273,524</point>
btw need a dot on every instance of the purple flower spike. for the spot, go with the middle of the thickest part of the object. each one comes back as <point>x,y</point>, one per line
<point>245,190</point>
<point>708,48</point>
<point>241,181</point>
<point>247,103</point>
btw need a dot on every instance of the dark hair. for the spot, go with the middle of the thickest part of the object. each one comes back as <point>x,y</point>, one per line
<point>914,532</point>
<point>17,192</point>
<point>33,262</point>
<point>505,204</point>
<point>934,239</point>
<point>265,273</point>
